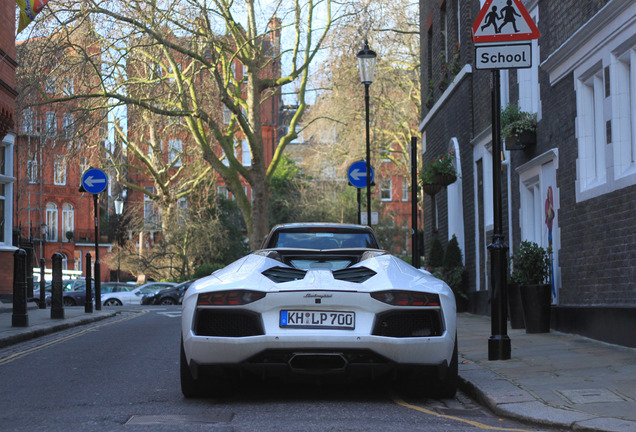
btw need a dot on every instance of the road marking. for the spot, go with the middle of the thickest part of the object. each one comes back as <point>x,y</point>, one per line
<point>26,352</point>
<point>170,314</point>
<point>478,425</point>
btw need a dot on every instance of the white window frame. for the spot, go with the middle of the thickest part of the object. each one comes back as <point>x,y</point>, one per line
<point>68,125</point>
<point>32,168</point>
<point>405,190</point>
<point>528,79</point>
<point>59,170</point>
<point>604,41</point>
<point>246,154</point>
<point>175,148</point>
<point>68,218</point>
<point>51,123</point>
<point>27,121</point>
<point>51,222</point>
<point>6,198</point>
<point>383,189</point>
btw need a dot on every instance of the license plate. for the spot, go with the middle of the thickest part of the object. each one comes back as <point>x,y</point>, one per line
<point>318,319</point>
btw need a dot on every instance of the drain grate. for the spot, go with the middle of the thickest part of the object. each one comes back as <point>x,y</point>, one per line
<point>584,396</point>
<point>180,419</point>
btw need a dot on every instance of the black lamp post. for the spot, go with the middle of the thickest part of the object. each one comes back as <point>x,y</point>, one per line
<point>119,210</point>
<point>366,63</point>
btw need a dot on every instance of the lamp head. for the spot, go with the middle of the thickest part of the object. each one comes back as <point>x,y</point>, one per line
<point>366,63</point>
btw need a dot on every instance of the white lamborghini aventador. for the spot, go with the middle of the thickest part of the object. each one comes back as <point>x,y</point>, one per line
<point>319,300</point>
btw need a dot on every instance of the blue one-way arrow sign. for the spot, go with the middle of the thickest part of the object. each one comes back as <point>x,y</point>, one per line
<point>357,174</point>
<point>94,181</point>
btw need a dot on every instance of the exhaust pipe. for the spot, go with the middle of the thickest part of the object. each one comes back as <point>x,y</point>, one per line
<point>317,362</point>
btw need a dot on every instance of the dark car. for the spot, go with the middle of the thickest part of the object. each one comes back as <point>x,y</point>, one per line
<point>167,296</point>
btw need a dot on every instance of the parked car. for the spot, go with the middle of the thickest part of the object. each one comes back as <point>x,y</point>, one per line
<point>131,295</point>
<point>77,297</point>
<point>319,308</point>
<point>167,296</point>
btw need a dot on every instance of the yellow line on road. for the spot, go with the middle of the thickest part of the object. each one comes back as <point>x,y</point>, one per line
<point>401,402</point>
<point>26,352</point>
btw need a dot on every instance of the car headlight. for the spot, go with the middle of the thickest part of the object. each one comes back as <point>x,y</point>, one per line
<point>229,298</point>
<point>406,298</point>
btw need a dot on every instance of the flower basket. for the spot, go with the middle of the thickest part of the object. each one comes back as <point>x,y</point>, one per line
<point>522,141</point>
<point>445,179</point>
<point>431,189</point>
<point>519,128</point>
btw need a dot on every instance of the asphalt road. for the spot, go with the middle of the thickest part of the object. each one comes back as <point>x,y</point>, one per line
<point>123,374</point>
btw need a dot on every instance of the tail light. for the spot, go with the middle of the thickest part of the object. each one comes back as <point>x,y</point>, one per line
<point>229,298</point>
<point>406,298</point>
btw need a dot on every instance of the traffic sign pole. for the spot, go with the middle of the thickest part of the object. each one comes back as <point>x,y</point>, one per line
<point>508,51</point>
<point>94,181</point>
<point>499,346</point>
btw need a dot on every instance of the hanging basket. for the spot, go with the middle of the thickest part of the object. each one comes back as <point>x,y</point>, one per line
<point>522,141</point>
<point>445,179</point>
<point>431,189</point>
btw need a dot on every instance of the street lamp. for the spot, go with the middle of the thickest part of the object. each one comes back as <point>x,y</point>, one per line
<point>119,210</point>
<point>366,63</point>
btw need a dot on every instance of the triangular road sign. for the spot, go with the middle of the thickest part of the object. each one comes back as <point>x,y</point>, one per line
<point>504,21</point>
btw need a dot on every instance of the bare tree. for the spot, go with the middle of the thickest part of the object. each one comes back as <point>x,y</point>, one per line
<point>187,51</point>
<point>392,27</point>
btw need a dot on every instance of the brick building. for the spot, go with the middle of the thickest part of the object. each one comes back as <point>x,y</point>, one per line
<point>582,88</point>
<point>8,94</point>
<point>170,145</point>
<point>55,144</point>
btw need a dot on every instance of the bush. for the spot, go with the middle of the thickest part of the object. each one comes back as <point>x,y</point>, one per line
<point>453,254</point>
<point>531,264</point>
<point>206,269</point>
<point>436,254</point>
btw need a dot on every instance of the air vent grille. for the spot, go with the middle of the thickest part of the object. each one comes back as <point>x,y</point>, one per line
<point>284,274</point>
<point>354,274</point>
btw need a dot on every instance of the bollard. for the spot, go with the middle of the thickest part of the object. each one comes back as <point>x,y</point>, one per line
<point>19,317</point>
<point>98,286</point>
<point>57,307</point>
<point>88,303</point>
<point>42,303</point>
<point>28,268</point>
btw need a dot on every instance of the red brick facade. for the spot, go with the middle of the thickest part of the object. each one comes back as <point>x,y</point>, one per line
<point>7,100</point>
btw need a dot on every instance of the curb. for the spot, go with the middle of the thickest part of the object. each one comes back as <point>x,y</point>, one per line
<point>506,399</point>
<point>43,330</point>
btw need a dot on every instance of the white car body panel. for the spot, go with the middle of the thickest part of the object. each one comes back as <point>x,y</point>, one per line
<point>334,295</point>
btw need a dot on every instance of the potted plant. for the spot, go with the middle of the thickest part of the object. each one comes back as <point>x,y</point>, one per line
<point>444,169</point>
<point>519,128</point>
<point>69,235</point>
<point>428,181</point>
<point>531,267</point>
<point>438,173</point>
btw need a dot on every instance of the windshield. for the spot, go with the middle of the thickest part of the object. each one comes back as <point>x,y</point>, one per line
<point>324,240</point>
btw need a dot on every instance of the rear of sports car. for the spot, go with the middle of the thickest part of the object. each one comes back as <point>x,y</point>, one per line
<point>269,315</point>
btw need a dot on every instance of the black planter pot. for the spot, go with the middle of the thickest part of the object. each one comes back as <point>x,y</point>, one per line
<point>536,300</point>
<point>515,306</point>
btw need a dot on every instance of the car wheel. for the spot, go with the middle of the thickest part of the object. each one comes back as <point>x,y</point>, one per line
<point>446,387</point>
<point>190,386</point>
<point>167,301</point>
<point>422,382</point>
<point>67,301</point>
<point>112,302</point>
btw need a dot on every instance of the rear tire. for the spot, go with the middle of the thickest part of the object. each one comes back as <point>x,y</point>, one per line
<point>112,302</point>
<point>422,382</point>
<point>67,301</point>
<point>446,387</point>
<point>190,387</point>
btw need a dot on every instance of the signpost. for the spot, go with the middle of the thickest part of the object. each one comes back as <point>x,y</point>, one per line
<point>501,35</point>
<point>357,175</point>
<point>94,181</point>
